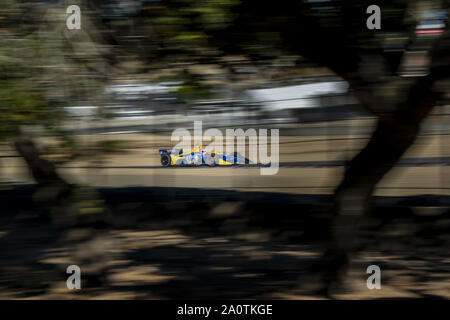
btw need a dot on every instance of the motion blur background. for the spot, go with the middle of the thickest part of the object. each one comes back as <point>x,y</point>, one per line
<point>84,113</point>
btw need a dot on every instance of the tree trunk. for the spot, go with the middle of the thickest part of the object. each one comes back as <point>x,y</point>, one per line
<point>50,185</point>
<point>393,135</point>
<point>86,236</point>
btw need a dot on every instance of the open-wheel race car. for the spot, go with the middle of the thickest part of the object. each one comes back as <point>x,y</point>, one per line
<point>197,156</point>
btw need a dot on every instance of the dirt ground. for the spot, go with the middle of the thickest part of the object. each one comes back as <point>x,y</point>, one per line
<point>217,246</point>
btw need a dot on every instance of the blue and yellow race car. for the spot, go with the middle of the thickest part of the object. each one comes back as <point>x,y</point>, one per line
<point>197,156</point>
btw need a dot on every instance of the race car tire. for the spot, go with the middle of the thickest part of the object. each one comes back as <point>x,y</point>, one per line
<point>166,160</point>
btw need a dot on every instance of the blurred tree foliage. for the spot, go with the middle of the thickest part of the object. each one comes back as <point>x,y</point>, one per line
<point>328,33</point>
<point>43,65</point>
<point>190,21</point>
<point>22,102</point>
